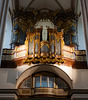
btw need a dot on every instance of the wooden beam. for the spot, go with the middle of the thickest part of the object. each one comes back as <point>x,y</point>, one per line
<point>59,4</point>
<point>29,4</point>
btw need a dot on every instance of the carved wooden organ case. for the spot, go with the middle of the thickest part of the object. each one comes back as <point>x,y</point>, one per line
<point>49,51</point>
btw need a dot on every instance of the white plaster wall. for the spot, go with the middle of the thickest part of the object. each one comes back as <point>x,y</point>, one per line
<point>80,78</point>
<point>8,32</point>
<point>7,78</point>
<point>21,69</point>
<point>66,69</point>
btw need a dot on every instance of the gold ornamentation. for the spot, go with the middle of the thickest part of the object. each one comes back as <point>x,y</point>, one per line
<point>44,43</point>
<point>45,57</point>
<point>31,38</point>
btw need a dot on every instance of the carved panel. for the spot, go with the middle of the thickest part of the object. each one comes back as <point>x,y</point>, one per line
<point>25,91</point>
<point>43,91</point>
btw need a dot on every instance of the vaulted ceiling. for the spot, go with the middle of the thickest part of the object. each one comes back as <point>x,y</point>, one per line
<point>45,4</point>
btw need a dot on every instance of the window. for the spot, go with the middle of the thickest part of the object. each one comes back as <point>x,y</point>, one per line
<point>44,81</point>
<point>51,82</point>
<point>37,81</point>
<point>27,83</point>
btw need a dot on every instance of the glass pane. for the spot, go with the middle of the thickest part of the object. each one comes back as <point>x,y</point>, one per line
<point>44,78</point>
<point>51,79</point>
<point>28,80</point>
<point>37,84</point>
<point>44,81</point>
<point>37,81</point>
<point>23,84</point>
<point>44,84</point>
<point>26,83</point>
<point>51,84</point>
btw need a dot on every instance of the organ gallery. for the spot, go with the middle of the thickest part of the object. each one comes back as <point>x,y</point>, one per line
<point>39,38</point>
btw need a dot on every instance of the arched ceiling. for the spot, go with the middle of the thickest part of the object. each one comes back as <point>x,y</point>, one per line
<point>45,4</point>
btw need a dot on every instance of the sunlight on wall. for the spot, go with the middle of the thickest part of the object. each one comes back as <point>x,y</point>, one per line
<point>66,69</point>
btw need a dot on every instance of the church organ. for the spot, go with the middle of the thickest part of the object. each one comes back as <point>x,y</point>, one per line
<point>36,50</point>
<point>45,51</point>
<point>43,39</point>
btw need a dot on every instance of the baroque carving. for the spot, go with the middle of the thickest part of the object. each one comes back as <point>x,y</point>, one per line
<point>24,21</point>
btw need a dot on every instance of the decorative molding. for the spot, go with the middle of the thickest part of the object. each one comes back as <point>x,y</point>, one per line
<point>71,92</point>
<point>78,91</point>
<point>8,91</point>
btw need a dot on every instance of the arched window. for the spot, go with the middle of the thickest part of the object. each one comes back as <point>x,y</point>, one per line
<point>27,83</point>
<point>44,79</point>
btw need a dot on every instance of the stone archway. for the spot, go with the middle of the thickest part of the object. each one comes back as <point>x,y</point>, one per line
<point>45,67</point>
